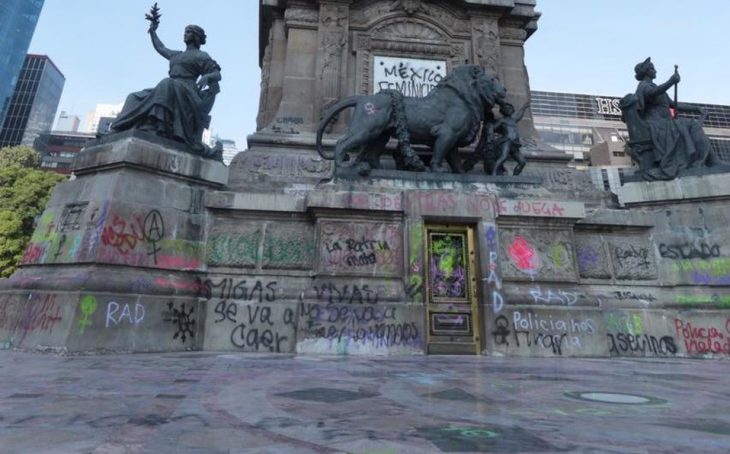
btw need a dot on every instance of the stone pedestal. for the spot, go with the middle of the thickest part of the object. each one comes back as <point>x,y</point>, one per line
<point>115,259</point>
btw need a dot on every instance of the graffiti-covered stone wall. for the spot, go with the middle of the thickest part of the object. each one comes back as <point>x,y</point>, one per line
<point>148,250</point>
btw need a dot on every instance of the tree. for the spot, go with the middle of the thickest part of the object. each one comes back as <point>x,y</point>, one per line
<point>20,155</point>
<point>24,192</point>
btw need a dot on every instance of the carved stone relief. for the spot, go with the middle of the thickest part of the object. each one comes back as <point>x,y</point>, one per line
<point>485,36</point>
<point>333,39</point>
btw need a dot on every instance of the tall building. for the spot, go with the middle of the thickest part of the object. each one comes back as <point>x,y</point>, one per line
<point>18,19</point>
<point>34,102</point>
<point>67,122</point>
<point>59,148</point>
<point>577,123</point>
<point>589,128</point>
<point>229,148</point>
<point>109,111</point>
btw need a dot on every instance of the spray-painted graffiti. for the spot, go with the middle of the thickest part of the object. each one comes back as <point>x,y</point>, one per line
<point>627,337</point>
<point>124,314</point>
<point>705,272</point>
<point>588,258</point>
<point>365,326</point>
<point>633,259</point>
<point>347,294</point>
<point>359,252</point>
<point>243,290</point>
<point>632,256</point>
<point>643,344</point>
<point>447,267</point>
<point>701,300</point>
<point>530,330</point>
<point>88,307</point>
<point>256,330</point>
<point>494,279</point>
<point>125,238</point>
<point>181,317</point>
<point>361,247</point>
<point>445,202</point>
<point>273,328</point>
<point>38,313</point>
<point>73,234</point>
<point>235,249</point>
<point>288,247</point>
<point>557,257</point>
<point>123,235</point>
<point>154,230</point>
<point>550,296</point>
<point>411,77</point>
<point>624,322</point>
<point>524,255</point>
<point>367,201</point>
<point>704,338</point>
<point>687,251</point>
<point>627,295</point>
<point>538,208</point>
<point>415,264</point>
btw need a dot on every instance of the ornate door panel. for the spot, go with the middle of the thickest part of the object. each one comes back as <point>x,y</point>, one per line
<point>451,286</point>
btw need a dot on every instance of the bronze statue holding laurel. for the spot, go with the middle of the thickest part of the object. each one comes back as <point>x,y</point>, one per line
<point>178,108</point>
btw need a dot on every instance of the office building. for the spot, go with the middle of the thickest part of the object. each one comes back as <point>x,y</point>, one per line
<point>18,19</point>
<point>229,148</point>
<point>589,128</point>
<point>67,122</point>
<point>59,148</point>
<point>34,102</point>
<point>102,111</point>
<point>578,123</point>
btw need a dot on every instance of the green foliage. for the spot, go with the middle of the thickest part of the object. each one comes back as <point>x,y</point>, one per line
<point>23,195</point>
<point>21,156</point>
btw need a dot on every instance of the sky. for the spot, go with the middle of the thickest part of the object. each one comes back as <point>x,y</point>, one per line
<point>581,46</point>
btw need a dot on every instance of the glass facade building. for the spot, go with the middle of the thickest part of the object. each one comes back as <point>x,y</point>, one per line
<point>59,148</point>
<point>575,123</point>
<point>33,105</point>
<point>18,19</point>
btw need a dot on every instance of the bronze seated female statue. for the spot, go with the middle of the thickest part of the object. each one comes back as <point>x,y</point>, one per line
<point>178,107</point>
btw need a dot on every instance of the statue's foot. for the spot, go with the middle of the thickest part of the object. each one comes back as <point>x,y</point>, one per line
<point>415,164</point>
<point>363,169</point>
<point>440,168</point>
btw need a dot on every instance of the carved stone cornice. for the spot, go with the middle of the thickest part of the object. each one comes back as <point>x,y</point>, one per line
<point>366,14</point>
<point>301,17</point>
<point>512,33</point>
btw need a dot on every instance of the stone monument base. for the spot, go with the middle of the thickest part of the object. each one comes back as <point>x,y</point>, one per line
<point>148,249</point>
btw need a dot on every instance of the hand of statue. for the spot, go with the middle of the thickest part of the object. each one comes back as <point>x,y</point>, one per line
<point>703,114</point>
<point>154,17</point>
<point>203,81</point>
<point>675,78</point>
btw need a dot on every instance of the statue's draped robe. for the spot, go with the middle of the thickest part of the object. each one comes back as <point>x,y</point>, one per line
<point>678,143</point>
<point>175,103</point>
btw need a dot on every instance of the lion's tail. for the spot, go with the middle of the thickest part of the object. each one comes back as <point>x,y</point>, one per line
<point>330,114</point>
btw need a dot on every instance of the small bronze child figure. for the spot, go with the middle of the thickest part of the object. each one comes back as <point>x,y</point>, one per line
<point>508,144</point>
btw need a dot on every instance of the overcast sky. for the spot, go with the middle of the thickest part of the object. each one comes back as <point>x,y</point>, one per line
<point>581,46</point>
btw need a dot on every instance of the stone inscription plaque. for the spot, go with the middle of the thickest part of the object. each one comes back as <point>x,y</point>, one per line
<point>363,248</point>
<point>410,76</point>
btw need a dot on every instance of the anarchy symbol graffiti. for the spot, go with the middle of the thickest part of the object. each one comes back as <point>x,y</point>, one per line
<point>154,230</point>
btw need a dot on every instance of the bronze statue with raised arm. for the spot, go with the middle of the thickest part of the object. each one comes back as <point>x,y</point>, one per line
<point>178,107</point>
<point>664,145</point>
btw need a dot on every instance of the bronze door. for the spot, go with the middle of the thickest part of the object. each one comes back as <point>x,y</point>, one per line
<point>451,287</point>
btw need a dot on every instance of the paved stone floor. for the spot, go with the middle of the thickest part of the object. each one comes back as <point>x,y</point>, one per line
<point>221,403</point>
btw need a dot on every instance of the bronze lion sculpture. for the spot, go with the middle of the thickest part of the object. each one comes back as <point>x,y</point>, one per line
<point>447,118</point>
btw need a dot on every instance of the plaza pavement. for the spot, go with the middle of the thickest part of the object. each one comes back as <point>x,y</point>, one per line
<point>246,403</point>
